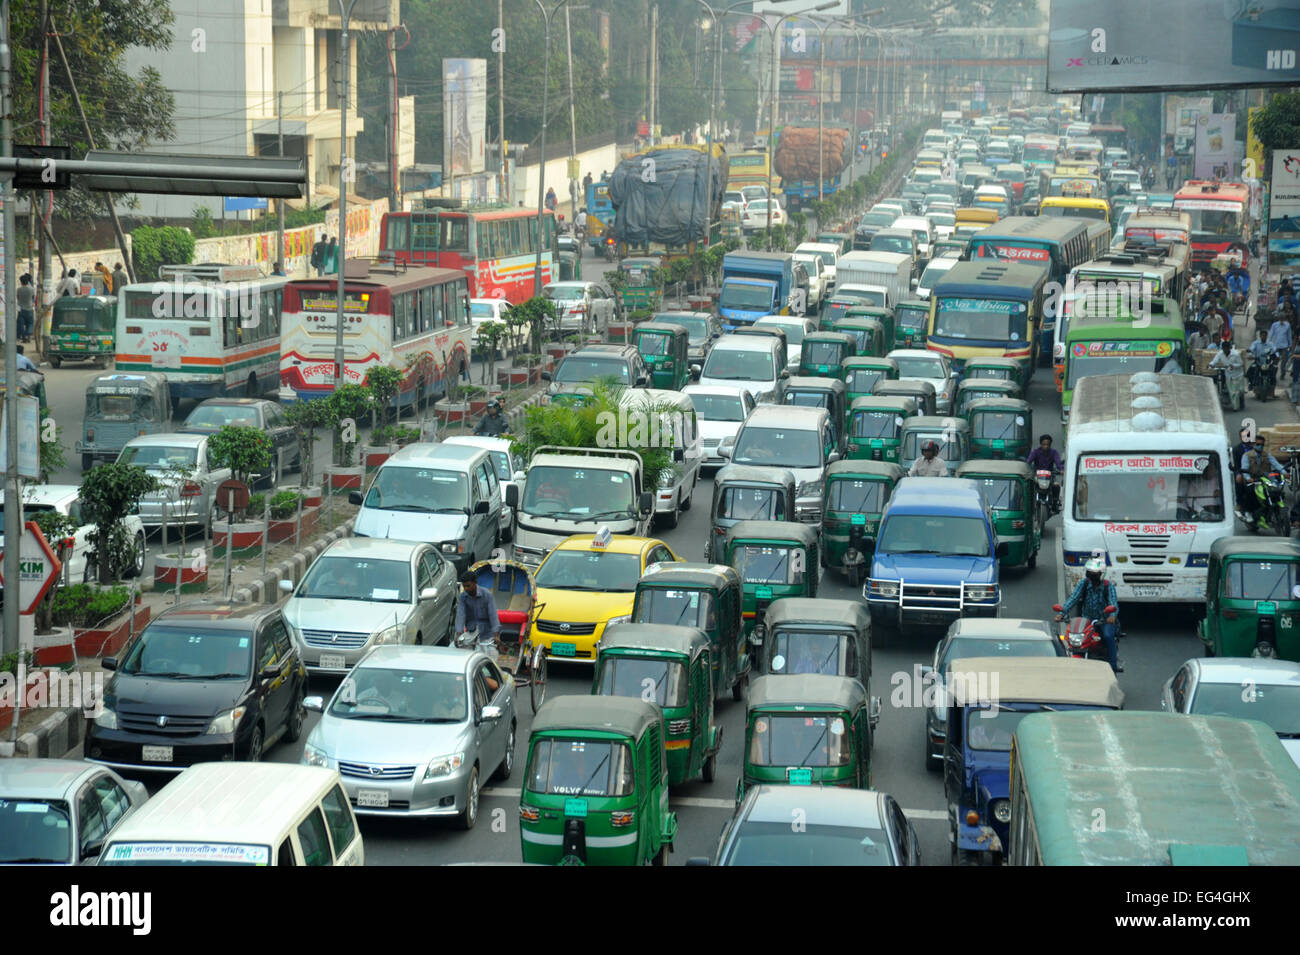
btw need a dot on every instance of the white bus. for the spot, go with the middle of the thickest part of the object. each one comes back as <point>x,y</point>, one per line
<point>213,330</point>
<point>413,319</point>
<point>1147,483</point>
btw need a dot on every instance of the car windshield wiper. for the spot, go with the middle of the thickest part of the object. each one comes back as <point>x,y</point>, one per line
<point>815,746</point>
<point>331,596</point>
<point>441,719</point>
<point>621,512</point>
<point>29,860</point>
<point>392,717</point>
<point>419,508</point>
<point>172,673</point>
<point>209,676</point>
<point>918,551</point>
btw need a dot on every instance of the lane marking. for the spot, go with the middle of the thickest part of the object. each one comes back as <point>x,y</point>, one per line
<point>705,802</point>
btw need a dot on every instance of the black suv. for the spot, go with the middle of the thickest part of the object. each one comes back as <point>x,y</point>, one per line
<point>204,682</point>
<point>622,363</point>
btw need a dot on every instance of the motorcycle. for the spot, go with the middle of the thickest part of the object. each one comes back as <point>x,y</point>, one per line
<point>1082,637</point>
<point>1270,504</point>
<point>608,247</point>
<point>1043,502</point>
<point>1262,376</point>
<point>1226,398</point>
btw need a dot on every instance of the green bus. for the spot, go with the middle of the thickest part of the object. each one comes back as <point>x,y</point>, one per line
<point>1136,787</point>
<point>1122,342</point>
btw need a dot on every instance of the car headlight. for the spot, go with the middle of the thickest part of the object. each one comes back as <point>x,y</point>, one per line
<point>626,618</point>
<point>311,756</point>
<point>390,635</point>
<point>981,592</point>
<point>667,477</point>
<point>107,719</point>
<point>224,723</point>
<point>453,547</point>
<point>444,765</point>
<point>883,588</point>
<point>1001,810</point>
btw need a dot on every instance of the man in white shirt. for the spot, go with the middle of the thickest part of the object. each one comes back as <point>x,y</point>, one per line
<point>1229,362</point>
<point>929,464</point>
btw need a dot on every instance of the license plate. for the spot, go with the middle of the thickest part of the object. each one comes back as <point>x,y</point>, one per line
<point>333,661</point>
<point>799,777</point>
<point>1266,607</point>
<point>823,369</point>
<point>999,443</point>
<point>372,798</point>
<point>167,360</point>
<point>858,520</point>
<point>156,754</point>
<point>1147,591</point>
<point>877,443</point>
<point>564,650</point>
<point>576,808</point>
<point>763,593</point>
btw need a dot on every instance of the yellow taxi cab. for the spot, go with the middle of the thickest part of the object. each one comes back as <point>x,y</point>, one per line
<point>586,583</point>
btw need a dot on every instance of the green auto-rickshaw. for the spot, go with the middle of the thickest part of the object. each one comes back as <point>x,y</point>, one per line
<point>831,637</point>
<point>998,369</point>
<point>951,248</point>
<point>843,239</point>
<point>855,498</point>
<point>569,255</point>
<point>665,348</point>
<point>861,375</point>
<point>828,393</point>
<point>1001,428</point>
<point>885,316</point>
<point>774,559</point>
<point>642,282</point>
<point>1008,490</point>
<point>83,328</point>
<point>912,322</point>
<point>742,492</point>
<point>672,662</point>
<point>868,334</point>
<point>824,353</point>
<point>951,434</point>
<point>1250,598</point>
<point>806,730</point>
<point>833,309</point>
<point>978,389</point>
<point>875,427</point>
<point>922,392</point>
<point>708,597</point>
<point>596,787</point>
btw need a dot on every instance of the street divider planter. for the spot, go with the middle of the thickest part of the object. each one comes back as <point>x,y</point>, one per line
<point>342,480</point>
<point>451,413</point>
<point>312,496</point>
<point>245,538</point>
<point>35,683</point>
<point>375,455</point>
<point>558,351</point>
<point>105,640</point>
<point>513,377</point>
<point>284,530</point>
<point>478,406</point>
<point>192,572</point>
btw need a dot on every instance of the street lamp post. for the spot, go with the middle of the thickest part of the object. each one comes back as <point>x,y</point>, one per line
<point>541,167</point>
<point>345,12</point>
<point>821,93</point>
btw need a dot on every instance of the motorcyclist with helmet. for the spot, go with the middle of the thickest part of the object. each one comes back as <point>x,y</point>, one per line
<point>1092,596</point>
<point>1047,458</point>
<point>494,423</point>
<point>1255,463</point>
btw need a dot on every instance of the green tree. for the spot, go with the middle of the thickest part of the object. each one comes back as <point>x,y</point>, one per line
<point>348,405</point>
<point>242,449</point>
<point>165,245</point>
<point>108,493</point>
<point>384,381</point>
<point>307,417</point>
<point>1277,125</point>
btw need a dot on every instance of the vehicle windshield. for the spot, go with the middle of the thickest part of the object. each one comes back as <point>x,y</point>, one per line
<point>159,457</point>
<point>797,739</point>
<point>581,767</point>
<point>933,273</point>
<point>1260,579</point>
<point>834,309</point>
<point>932,534</point>
<point>28,510</point>
<point>950,446</point>
<point>121,407</point>
<point>1213,222</point>
<point>998,425</point>
<point>578,494</point>
<point>190,653</point>
<point>634,676</point>
<point>767,564</point>
<point>991,729</point>
<point>774,843</point>
<point>856,495</point>
<point>480,310</point>
<point>1074,212</point>
<point>34,831</point>
<point>501,460</point>
<point>751,504</point>
<point>803,651</point>
<point>919,366</point>
<point>1011,175</point>
<point>965,647</point>
<point>980,318</point>
<point>882,219</point>
<point>718,407</point>
<point>792,448</point>
<point>824,353</point>
<point>185,853</point>
<point>794,331</point>
<point>592,570</point>
<point>1168,486</point>
<point>736,295</point>
<point>574,370</point>
<point>422,490</point>
<point>1277,707</point>
<point>943,218</point>
<point>808,399</point>
<point>1116,358</point>
<point>401,696</point>
<point>1002,494</point>
<point>678,608</point>
<point>343,577</point>
<point>697,329</point>
<point>654,343</point>
<point>861,381</point>
<point>891,243</point>
<point>912,317</point>
<point>828,258</point>
<point>220,416</point>
<point>739,364</point>
<point>563,293</point>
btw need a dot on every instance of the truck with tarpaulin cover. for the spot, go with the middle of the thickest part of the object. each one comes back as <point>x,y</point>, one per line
<point>660,204</point>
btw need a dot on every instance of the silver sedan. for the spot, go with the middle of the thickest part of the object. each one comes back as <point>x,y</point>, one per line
<point>1250,688</point>
<point>415,731</point>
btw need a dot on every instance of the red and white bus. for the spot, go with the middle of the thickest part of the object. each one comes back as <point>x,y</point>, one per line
<point>413,319</point>
<point>496,249</point>
<point>1220,214</point>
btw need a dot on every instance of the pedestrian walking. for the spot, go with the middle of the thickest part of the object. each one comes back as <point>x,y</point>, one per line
<point>26,306</point>
<point>332,256</point>
<point>106,276</point>
<point>120,278</point>
<point>318,256</point>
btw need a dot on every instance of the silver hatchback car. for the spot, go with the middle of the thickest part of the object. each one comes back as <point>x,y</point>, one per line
<point>187,481</point>
<point>364,592</point>
<point>414,731</point>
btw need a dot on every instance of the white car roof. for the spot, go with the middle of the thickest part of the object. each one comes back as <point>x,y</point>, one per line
<point>480,441</point>
<point>1247,670</point>
<point>170,439</point>
<point>720,391</point>
<point>51,494</point>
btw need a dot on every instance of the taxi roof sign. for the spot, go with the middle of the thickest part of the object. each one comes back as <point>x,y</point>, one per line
<point>603,537</point>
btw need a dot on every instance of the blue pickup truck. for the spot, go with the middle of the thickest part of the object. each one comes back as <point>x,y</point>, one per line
<point>755,284</point>
<point>936,556</point>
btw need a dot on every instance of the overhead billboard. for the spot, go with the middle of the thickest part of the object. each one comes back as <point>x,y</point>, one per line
<point>466,116</point>
<point>1172,44</point>
<point>1214,145</point>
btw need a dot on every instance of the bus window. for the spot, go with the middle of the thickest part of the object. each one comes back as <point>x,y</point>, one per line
<point>425,233</point>
<point>516,237</point>
<point>455,234</point>
<point>399,233</point>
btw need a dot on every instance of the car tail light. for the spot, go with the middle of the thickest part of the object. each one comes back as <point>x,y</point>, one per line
<point>191,490</point>
<point>529,813</point>
<point>621,819</point>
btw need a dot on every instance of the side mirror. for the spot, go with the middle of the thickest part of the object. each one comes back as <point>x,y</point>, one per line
<point>482,507</point>
<point>875,711</point>
<point>1003,549</point>
<point>286,586</point>
<point>679,455</point>
<point>512,492</point>
<point>641,381</point>
<point>109,663</point>
<point>646,503</point>
<point>429,593</point>
<point>695,372</point>
<point>490,713</point>
<point>354,497</point>
<point>547,376</point>
<point>91,850</point>
<point>518,478</point>
<point>314,703</point>
<point>270,672</point>
<point>724,450</point>
<point>832,457</point>
<point>785,373</point>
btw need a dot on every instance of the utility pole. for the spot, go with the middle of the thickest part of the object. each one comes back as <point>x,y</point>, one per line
<point>13,491</point>
<point>654,70</point>
<point>345,11</point>
<point>394,117</point>
<point>547,15</point>
<point>46,300</point>
<point>501,103</point>
<point>279,203</point>
<point>573,124</point>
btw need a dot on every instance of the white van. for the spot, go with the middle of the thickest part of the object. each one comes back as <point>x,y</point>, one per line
<point>242,814</point>
<point>677,418</point>
<point>756,363</point>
